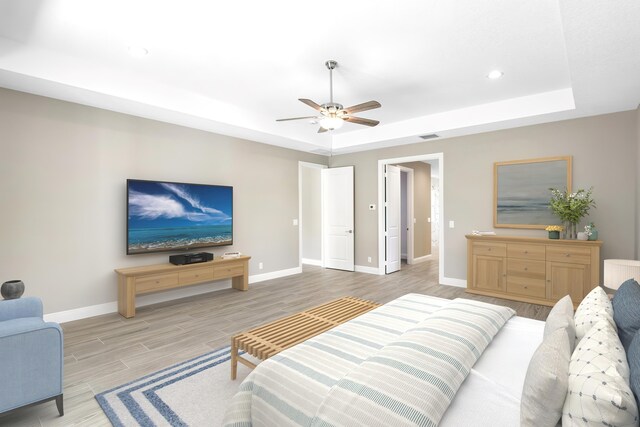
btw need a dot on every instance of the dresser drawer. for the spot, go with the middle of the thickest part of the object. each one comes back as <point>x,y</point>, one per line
<point>156,282</point>
<point>491,249</point>
<point>524,251</point>
<point>231,269</point>
<point>196,276</point>
<point>526,268</point>
<point>571,254</point>
<point>526,286</point>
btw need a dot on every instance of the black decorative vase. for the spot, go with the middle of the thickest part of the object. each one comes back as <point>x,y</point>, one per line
<point>12,289</point>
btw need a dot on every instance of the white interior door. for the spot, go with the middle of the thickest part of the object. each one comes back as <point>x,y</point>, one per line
<point>337,202</point>
<point>392,218</point>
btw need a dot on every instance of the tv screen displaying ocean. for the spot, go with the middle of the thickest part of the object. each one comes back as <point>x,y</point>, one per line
<point>155,239</point>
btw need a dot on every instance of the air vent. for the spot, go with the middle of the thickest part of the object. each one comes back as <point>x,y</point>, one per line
<point>430,136</point>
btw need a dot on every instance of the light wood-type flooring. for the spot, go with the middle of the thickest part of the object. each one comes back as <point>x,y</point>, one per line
<point>106,351</point>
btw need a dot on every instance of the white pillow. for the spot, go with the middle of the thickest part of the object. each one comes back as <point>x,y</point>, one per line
<point>546,382</point>
<point>594,307</point>
<point>599,392</point>
<point>561,317</point>
<point>601,351</point>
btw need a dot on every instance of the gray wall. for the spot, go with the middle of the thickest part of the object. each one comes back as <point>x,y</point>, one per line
<point>638,186</point>
<point>311,220</point>
<point>62,192</point>
<point>421,207</point>
<point>604,150</point>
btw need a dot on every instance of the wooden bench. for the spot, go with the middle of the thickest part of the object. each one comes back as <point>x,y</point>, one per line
<point>270,339</point>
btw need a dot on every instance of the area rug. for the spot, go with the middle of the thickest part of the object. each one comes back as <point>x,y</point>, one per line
<point>192,393</point>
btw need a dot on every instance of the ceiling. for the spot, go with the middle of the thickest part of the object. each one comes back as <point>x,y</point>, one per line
<point>235,67</point>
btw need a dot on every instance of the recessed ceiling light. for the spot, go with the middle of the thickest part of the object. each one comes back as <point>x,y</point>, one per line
<point>495,74</point>
<point>138,51</point>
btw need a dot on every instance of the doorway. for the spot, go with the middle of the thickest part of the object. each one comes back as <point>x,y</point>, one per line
<point>326,216</point>
<point>424,208</point>
<point>310,213</point>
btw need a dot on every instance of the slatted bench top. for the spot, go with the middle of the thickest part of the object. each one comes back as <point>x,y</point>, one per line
<point>270,339</point>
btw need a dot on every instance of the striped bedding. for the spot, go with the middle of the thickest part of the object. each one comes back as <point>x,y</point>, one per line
<point>400,364</point>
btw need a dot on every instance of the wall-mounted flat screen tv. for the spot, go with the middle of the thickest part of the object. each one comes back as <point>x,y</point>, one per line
<point>170,216</point>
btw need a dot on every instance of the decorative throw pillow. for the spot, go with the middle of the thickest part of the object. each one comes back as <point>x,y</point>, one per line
<point>633,356</point>
<point>546,382</point>
<point>599,392</point>
<point>561,317</point>
<point>601,351</point>
<point>595,306</point>
<point>626,311</point>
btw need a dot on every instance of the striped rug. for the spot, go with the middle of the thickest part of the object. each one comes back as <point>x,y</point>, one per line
<point>192,393</point>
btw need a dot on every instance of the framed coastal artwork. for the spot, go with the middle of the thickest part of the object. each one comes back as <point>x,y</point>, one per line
<point>521,191</point>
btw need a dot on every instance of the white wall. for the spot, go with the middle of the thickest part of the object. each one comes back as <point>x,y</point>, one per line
<point>63,169</point>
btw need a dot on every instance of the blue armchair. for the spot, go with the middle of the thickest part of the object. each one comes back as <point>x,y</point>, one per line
<point>31,356</point>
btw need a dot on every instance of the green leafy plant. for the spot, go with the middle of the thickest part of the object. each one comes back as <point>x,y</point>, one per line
<point>571,207</point>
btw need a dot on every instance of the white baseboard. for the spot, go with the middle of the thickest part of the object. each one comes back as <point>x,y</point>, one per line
<point>308,261</point>
<point>141,301</point>
<point>421,259</point>
<point>82,312</point>
<point>368,270</point>
<point>461,283</point>
<point>274,275</point>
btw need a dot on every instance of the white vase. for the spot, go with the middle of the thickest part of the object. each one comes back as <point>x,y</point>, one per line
<point>582,235</point>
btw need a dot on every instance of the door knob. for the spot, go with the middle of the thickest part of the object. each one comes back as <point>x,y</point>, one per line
<point>349,231</point>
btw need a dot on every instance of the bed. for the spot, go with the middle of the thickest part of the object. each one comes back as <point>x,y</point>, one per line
<point>292,385</point>
<point>421,360</point>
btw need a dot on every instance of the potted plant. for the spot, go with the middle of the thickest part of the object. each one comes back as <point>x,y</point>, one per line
<point>591,231</point>
<point>554,231</point>
<point>571,208</point>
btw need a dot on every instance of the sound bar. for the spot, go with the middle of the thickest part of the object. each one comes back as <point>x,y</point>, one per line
<point>190,258</point>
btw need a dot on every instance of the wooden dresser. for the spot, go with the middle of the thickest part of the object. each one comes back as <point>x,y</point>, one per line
<point>533,270</point>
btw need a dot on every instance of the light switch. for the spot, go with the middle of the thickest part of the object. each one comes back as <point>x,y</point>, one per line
<point>295,222</point>
<point>429,219</point>
<point>451,224</point>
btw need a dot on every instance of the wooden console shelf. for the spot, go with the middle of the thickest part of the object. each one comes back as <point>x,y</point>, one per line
<point>533,270</point>
<point>160,277</point>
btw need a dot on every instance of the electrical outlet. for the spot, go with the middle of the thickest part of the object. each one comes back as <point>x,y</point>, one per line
<point>260,266</point>
<point>451,224</point>
<point>369,260</point>
<point>295,222</point>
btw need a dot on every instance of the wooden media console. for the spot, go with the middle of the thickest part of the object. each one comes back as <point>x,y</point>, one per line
<point>161,277</point>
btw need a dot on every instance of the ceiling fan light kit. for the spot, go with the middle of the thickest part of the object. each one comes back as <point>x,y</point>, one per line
<point>333,114</point>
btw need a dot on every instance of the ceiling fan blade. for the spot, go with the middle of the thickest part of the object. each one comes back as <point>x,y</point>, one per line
<point>362,107</point>
<point>361,121</point>
<point>310,103</point>
<point>296,118</point>
<point>321,129</point>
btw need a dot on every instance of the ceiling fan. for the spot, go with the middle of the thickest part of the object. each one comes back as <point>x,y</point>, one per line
<point>333,115</point>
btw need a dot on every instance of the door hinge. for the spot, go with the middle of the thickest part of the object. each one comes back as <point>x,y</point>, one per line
<point>385,174</point>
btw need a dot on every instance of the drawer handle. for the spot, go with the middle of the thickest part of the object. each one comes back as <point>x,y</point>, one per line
<point>526,268</point>
<point>567,255</point>
<point>526,252</point>
<point>489,249</point>
<point>197,275</point>
<point>526,287</point>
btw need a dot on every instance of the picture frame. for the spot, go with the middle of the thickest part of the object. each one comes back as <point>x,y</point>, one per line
<point>521,191</point>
